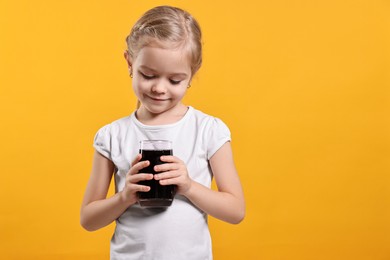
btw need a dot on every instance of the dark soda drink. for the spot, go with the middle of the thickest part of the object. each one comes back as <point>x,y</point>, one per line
<point>158,195</point>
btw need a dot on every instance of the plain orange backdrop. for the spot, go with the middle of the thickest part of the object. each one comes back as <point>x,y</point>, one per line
<point>303,85</point>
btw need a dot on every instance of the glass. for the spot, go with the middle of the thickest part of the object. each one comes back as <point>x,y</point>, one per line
<point>158,195</point>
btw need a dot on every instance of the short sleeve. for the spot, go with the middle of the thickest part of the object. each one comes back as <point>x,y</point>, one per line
<point>218,135</point>
<point>102,141</point>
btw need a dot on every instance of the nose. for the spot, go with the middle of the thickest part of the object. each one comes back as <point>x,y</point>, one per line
<point>159,87</point>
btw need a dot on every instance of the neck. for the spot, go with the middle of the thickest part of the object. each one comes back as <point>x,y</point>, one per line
<point>167,117</point>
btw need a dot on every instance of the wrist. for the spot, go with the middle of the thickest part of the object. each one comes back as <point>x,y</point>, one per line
<point>189,191</point>
<point>124,200</point>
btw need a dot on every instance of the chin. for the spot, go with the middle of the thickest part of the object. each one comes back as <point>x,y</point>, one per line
<point>157,109</point>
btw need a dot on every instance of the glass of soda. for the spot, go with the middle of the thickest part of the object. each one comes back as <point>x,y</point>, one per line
<point>158,195</point>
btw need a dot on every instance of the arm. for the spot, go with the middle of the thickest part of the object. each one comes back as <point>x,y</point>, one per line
<point>227,203</point>
<point>97,211</point>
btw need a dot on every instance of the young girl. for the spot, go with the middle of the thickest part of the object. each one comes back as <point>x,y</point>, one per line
<point>164,52</point>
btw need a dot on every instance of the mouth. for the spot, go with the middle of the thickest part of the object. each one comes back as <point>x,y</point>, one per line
<point>158,99</point>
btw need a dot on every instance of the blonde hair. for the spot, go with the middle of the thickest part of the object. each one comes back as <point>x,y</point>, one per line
<point>167,27</point>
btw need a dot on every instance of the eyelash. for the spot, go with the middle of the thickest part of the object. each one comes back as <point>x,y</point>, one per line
<point>146,76</point>
<point>173,82</point>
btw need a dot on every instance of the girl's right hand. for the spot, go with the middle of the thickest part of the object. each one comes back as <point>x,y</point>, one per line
<point>129,192</point>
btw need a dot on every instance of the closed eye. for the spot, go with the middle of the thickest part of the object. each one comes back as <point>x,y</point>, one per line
<point>175,82</point>
<point>147,77</point>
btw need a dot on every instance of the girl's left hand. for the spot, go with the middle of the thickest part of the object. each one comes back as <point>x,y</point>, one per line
<point>173,172</point>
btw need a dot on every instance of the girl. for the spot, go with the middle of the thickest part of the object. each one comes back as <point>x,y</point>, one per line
<point>164,52</point>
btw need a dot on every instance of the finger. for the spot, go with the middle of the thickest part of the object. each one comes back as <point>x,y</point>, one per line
<point>137,159</point>
<point>170,181</point>
<point>166,167</point>
<point>170,159</point>
<point>167,175</point>
<point>140,177</point>
<point>138,166</point>
<point>140,188</point>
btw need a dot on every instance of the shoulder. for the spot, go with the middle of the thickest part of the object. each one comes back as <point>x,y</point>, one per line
<point>208,121</point>
<point>116,125</point>
<point>214,132</point>
<point>113,129</point>
<point>204,117</point>
<point>109,135</point>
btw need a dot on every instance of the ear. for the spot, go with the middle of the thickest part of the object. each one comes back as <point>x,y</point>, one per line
<point>128,59</point>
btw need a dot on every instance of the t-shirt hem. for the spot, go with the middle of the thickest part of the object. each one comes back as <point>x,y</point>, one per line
<point>217,147</point>
<point>102,152</point>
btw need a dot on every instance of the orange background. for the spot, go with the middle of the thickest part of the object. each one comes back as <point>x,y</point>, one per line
<point>303,85</point>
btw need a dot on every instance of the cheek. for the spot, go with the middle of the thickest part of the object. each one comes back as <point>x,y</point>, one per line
<point>137,88</point>
<point>134,84</point>
<point>138,85</point>
<point>180,92</point>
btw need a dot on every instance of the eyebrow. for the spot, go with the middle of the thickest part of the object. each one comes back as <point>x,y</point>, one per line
<point>154,71</point>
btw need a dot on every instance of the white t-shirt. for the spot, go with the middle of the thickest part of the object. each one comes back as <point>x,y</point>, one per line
<point>178,232</point>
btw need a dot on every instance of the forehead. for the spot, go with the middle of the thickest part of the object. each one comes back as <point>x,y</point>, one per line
<point>163,59</point>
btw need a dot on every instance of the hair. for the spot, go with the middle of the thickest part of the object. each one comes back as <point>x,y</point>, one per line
<point>167,27</point>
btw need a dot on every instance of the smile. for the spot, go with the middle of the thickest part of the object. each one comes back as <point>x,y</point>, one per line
<point>158,99</point>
